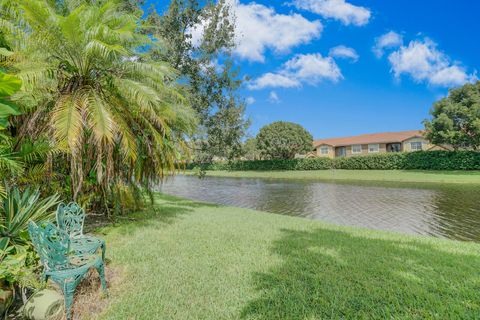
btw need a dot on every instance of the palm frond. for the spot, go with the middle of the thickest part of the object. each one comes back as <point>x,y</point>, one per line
<point>104,50</point>
<point>137,94</point>
<point>128,143</point>
<point>67,121</point>
<point>34,151</point>
<point>35,174</point>
<point>100,119</point>
<point>9,161</point>
<point>69,25</point>
<point>35,75</point>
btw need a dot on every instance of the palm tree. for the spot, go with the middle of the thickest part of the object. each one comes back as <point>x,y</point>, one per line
<point>89,87</point>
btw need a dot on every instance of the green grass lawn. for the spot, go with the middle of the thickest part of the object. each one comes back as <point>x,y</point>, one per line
<point>470,177</point>
<point>190,260</point>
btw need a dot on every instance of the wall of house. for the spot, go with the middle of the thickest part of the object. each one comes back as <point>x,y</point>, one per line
<point>364,151</point>
<point>425,144</point>
<point>382,148</point>
<point>331,152</point>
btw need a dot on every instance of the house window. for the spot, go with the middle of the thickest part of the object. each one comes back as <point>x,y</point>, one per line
<point>373,147</point>
<point>357,148</point>
<point>394,147</point>
<point>416,146</point>
<point>323,150</point>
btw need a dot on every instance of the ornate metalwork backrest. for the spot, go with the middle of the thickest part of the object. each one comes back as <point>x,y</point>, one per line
<point>52,246</point>
<point>70,218</point>
<point>34,233</point>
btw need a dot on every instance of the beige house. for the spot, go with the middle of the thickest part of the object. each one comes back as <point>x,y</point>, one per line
<point>412,140</point>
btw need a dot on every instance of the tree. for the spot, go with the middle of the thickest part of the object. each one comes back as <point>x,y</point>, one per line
<point>250,150</point>
<point>206,65</point>
<point>283,140</point>
<point>456,118</point>
<point>116,116</point>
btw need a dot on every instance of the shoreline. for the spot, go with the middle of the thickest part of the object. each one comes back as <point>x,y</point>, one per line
<point>388,176</point>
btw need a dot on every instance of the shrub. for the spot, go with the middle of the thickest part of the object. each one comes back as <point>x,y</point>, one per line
<point>18,208</point>
<point>443,160</point>
<point>17,260</point>
<point>388,161</point>
<point>419,160</point>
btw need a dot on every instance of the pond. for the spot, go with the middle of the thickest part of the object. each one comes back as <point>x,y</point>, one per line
<point>448,211</point>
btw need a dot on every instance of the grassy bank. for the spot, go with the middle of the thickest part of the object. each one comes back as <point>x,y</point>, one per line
<point>190,260</point>
<point>466,177</point>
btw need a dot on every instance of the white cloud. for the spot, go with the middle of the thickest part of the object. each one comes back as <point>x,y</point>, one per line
<point>388,40</point>
<point>343,52</point>
<point>302,68</point>
<point>336,9</point>
<point>274,80</point>
<point>250,100</point>
<point>260,28</point>
<point>452,76</point>
<point>273,97</point>
<point>423,62</point>
<point>196,33</point>
<point>312,68</point>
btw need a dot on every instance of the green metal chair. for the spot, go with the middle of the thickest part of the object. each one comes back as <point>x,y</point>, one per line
<point>70,218</point>
<point>65,269</point>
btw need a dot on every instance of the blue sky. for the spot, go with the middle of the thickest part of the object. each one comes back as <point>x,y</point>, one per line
<point>346,67</point>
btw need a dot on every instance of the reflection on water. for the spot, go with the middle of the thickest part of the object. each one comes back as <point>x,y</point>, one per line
<point>444,211</point>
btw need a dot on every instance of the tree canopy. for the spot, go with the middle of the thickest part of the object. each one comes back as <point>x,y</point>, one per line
<point>456,118</point>
<point>91,90</point>
<point>206,65</point>
<point>283,140</point>
<point>250,150</point>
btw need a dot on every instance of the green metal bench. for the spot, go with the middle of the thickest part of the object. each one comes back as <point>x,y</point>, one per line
<point>70,218</point>
<point>60,265</point>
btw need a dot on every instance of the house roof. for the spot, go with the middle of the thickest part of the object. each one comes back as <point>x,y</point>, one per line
<point>384,137</point>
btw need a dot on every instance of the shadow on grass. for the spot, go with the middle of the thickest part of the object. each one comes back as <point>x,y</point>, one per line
<point>173,200</point>
<point>166,209</point>
<point>326,274</point>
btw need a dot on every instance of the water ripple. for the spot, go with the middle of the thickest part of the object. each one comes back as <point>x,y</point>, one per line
<point>442,211</point>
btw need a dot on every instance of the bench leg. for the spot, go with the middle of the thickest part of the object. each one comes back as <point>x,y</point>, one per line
<point>101,272</point>
<point>104,249</point>
<point>68,291</point>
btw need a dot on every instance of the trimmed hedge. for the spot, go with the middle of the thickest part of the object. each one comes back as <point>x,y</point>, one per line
<point>381,161</point>
<point>269,165</point>
<point>419,160</point>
